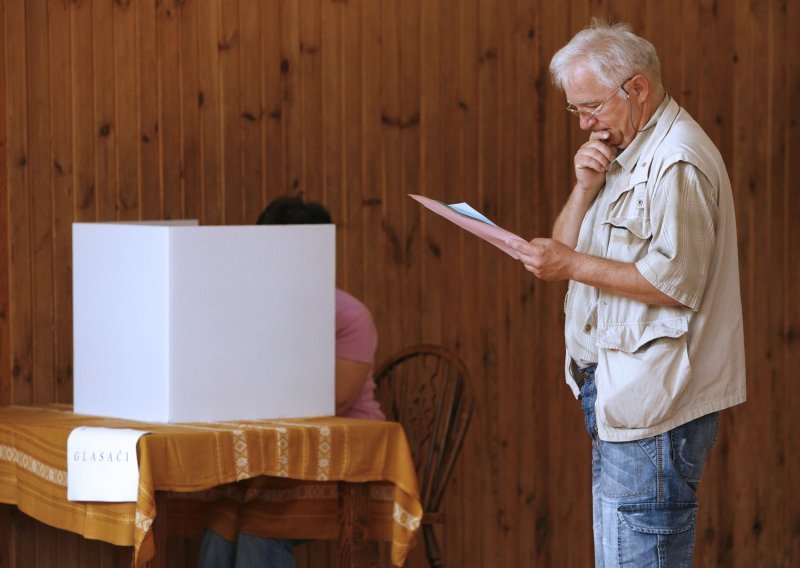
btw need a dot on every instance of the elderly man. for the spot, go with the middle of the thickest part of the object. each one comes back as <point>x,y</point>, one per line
<point>647,239</point>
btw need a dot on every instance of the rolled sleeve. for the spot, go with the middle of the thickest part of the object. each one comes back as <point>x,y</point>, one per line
<point>683,215</point>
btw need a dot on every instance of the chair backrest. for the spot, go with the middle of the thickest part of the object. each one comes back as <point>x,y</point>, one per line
<point>424,388</point>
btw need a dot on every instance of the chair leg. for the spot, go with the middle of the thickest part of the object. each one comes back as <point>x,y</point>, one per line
<point>432,547</point>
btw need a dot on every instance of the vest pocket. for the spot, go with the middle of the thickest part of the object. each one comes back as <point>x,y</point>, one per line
<point>642,372</point>
<point>629,238</point>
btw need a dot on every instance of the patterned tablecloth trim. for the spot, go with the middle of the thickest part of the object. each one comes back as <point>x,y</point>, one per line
<point>406,519</point>
<point>31,464</point>
<point>241,455</point>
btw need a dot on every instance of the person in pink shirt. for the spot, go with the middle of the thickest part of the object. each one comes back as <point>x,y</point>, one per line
<point>356,341</point>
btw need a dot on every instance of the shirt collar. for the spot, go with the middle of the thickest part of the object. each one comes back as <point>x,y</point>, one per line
<point>630,155</point>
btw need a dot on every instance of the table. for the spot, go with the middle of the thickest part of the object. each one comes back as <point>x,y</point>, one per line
<point>305,466</point>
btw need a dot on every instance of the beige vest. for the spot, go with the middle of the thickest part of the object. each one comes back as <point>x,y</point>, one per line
<point>662,366</point>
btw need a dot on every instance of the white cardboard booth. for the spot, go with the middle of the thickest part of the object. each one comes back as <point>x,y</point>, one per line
<point>182,323</point>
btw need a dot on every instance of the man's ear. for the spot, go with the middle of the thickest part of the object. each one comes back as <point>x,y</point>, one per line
<point>638,88</point>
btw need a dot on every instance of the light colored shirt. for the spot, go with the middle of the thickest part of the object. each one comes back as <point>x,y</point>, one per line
<point>667,206</point>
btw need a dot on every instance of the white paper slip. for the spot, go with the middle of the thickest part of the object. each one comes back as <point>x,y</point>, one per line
<point>469,211</point>
<point>102,464</point>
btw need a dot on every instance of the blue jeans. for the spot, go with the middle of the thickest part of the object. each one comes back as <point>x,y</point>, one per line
<point>644,492</point>
<point>248,551</point>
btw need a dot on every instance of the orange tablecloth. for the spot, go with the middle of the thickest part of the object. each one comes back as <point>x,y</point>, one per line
<point>301,457</point>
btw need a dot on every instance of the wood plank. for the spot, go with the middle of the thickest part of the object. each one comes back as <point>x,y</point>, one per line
<point>534,518</point>
<point>105,126</point>
<point>126,65</point>
<point>40,159</point>
<point>20,260</point>
<point>190,126</point>
<point>83,136</point>
<point>63,195</point>
<point>253,115</point>
<point>148,131</point>
<point>461,545</point>
<point>370,149</point>
<point>309,73</point>
<point>209,101</point>
<point>788,406</point>
<point>393,193</point>
<point>230,92</point>
<point>407,120</point>
<point>435,237</point>
<point>351,102</point>
<point>272,93</point>
<point>5,231</point>
<point>495,544</point>
<point>169,123</point>
<point>335,133</point>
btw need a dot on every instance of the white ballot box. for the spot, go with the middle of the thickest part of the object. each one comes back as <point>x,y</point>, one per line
<point>182,323</point>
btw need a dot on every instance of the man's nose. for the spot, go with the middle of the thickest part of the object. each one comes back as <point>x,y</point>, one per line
<point>587,122</point>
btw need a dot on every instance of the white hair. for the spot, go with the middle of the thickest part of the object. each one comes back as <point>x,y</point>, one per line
<point>612,53</point>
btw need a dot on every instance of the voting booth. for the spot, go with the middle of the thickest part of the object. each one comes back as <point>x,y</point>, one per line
<point>183,323</point>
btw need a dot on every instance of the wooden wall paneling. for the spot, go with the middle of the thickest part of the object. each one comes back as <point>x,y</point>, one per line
<point>772,93</point>
<point>790,269</point>
<point>748,178</point>
<point>513,431</point>
<point>437,253</point>
<point>209,101</point>
<point>293,143</point>
<point>380,99</point>
<point>41,203</point>
<point>496,545</point>
<point>333,149</point>
<point>448,184</point>
<point>126,55</point>
<point>105,126</point>
<point>67,545</point>
<point>190,126</point>
<point>274,183</point>
<point>20,260</point>
<point>63,195</point>
<point>252,116</point>
<point>82,84</point>
<point>464,505</point>
<point>695,82</point>
<point>169,81</point>
<point>24,541</point>
<point>391,246</point>
<point>374,260</point>
<point>530,494</point>
<point>567,449</point>
<point>231,112</point>
<point>147,129</point>
<point>309,63</point>
<point>7,528</point>
<point>5,300</point>
<point>351,98</point>
<point>408,122</point>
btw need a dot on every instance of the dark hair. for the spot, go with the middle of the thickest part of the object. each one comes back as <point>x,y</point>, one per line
<point>286,210</point>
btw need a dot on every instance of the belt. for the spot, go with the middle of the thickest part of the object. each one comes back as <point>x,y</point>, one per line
<point>579,376</point>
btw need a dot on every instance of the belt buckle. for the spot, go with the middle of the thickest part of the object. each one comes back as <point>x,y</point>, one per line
<point>578,375</point>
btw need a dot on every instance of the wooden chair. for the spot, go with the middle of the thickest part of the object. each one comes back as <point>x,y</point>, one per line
<point>424,388</point>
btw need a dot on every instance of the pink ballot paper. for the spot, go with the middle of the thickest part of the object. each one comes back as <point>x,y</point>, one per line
<point>467,218</point>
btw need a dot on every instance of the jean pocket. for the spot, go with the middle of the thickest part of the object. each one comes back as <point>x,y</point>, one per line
<point>691,444</point>
<point>656,534</point>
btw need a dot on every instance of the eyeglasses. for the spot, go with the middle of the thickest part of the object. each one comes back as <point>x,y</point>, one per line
<point>590,114</point>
